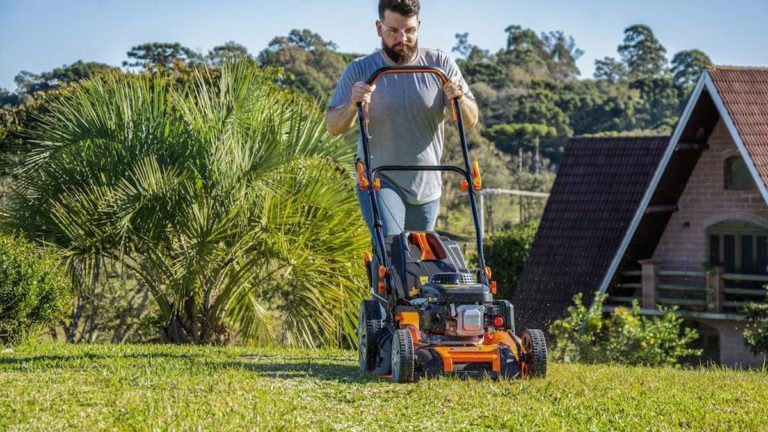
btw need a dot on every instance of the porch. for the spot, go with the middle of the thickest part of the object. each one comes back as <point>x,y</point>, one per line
<point>711,300</point>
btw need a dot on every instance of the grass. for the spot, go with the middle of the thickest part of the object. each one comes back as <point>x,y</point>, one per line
<point>145,387</point>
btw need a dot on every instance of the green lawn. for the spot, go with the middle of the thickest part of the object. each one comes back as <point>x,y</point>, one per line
<point>137,387</point>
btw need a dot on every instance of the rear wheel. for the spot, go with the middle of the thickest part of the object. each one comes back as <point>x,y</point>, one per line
<point>368,329</point>
<point>403,362</point>
<point>534,363</point>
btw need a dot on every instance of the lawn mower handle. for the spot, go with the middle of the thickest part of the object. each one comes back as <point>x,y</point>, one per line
<point>387,70</point>
<point>457,118</point>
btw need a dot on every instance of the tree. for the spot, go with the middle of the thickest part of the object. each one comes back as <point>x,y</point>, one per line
<point>610,69</point>
<point>161,55</point>
<point>8,99</point>
<point>463,48</point>
<point>477,65</point>
<point>525,56</point>
<point>228,52</point>
<point>310,63</point>
<point>31,83</point>
<point>661,101</point>
<point>687,66</point>
<point>515,136</point>
<point>563,54</point>
<point>642,52</point>
<point>225,197</point>
<point>303,39</point>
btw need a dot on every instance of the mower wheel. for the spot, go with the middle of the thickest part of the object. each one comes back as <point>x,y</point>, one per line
<point>403,359</point>
<point>369,326</point>
<point>535,357</point>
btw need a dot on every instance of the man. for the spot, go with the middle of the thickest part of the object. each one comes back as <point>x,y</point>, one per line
<point>407,116</point>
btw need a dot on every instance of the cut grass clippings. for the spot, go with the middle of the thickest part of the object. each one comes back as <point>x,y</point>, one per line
<point>146,387</point>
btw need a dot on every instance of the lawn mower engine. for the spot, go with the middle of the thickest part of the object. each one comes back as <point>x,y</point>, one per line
<point>438,319</point>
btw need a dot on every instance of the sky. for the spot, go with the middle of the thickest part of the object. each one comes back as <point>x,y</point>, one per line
<point>39,35</point>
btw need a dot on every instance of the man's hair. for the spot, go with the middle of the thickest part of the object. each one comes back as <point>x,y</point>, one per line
<point>406,8</point>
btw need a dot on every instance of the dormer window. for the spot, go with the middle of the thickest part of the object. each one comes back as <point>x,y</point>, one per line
<point>737,175</point>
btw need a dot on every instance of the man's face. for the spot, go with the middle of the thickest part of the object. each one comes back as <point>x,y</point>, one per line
<point>399,36</point>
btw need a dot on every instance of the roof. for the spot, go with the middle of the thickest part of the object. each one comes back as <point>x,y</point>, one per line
<point>598,189</point>
<point>744,92</point>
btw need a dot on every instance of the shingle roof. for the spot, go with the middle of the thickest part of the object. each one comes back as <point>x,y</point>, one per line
<point>598,189</point>
<point>744,92</point>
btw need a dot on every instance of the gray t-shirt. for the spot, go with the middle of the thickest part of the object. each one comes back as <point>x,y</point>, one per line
<point>407,115</point>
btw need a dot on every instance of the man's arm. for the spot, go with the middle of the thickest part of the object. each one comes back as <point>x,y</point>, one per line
<point>340,119</point>
<point>469,110</point>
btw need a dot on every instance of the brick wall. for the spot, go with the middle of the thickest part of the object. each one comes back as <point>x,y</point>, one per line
<point>705,202</point>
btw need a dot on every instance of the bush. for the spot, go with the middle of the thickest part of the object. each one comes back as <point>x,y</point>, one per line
<point>586,335</point>
<point>34,289</point>
<point>506,253</point>
<point>756,334</point>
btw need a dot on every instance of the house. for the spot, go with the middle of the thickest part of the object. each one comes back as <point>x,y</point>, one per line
<point>680,220</point>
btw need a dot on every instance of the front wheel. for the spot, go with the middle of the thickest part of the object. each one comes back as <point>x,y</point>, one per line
<point>534,364</point>
<point>403,361</point>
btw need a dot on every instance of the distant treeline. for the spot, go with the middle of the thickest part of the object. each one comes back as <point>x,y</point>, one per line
<point>530,92</point>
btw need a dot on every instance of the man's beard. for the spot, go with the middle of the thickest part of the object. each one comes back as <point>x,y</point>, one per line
<point>400,57</point>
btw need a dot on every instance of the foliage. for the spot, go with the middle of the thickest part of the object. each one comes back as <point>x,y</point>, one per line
<point>30,83</point>
<point>506,252</point>
<point>642,52</point>
<point>563,54</point>
<point>687,66</point>
<point>34,289</point>
<point>756,333</point>
<point>225,198</point>
<point>610,69</point>
<point>8,100</point>
<point>114,307</point>
<point>230,51</point>
<point>311,64</point>
<point>161,55</point>
<point>624,337</point>
<point>522,135</point>
<point>147,387</point>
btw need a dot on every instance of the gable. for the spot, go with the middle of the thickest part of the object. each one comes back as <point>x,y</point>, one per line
<point>744,96</point>
<point>707,104</point>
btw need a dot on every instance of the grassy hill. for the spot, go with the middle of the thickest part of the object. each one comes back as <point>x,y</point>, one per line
<point>140,387</point>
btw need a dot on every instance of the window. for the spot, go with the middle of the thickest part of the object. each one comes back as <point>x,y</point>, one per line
<point>739,245</point>
<point>737,176</point>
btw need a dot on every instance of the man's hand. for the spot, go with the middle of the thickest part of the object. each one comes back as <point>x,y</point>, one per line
<point>341,118</point>
<point>361,92</point>
<point>453,89</point>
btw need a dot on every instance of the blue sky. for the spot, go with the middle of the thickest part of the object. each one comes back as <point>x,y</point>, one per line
<point>38,35</point>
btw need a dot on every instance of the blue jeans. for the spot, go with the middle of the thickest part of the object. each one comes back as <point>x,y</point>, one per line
<point>396,214</point>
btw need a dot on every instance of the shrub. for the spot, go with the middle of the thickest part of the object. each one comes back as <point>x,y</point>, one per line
<point>34,289</point>
<point>506,253</point>
<point>587,335</point>
<point>756,334</point>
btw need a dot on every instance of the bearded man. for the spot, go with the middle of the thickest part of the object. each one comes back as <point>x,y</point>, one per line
<point>407,116</point>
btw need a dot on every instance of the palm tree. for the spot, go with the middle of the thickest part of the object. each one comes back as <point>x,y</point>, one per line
<point>222,193</point>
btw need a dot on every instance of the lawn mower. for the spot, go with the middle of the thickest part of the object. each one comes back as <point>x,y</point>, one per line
<point>428,314</point>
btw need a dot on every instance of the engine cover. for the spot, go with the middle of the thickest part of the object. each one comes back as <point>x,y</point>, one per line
<point>469,320</point>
